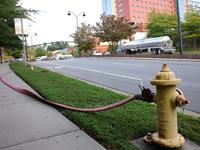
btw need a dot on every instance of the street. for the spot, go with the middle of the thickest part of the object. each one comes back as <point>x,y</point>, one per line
<point>126,74</point>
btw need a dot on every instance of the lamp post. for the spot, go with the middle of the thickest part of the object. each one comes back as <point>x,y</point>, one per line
<point>32,44</point>
<point>69,14</point>
<point>179,27</point>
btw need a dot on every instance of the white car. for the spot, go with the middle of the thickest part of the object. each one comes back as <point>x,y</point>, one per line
<point>107,53</point>
<point>97,53</point>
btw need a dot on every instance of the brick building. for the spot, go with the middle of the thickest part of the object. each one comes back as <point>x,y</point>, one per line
<point>137,10</point>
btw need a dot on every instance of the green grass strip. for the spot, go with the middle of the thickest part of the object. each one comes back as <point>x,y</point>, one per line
<point>114,128</point>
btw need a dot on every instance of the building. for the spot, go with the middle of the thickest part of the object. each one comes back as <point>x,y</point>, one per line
<point>183,8</point>
<point>109,7</point>
<point>137,10</point>
<point>194,3</point>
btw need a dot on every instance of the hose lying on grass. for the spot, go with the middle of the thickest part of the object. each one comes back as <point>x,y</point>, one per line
<point>29,93</point>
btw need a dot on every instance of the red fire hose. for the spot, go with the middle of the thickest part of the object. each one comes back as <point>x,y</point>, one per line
<point>29,93</point>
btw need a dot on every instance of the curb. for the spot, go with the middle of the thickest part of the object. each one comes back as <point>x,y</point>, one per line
<point>142,58</point>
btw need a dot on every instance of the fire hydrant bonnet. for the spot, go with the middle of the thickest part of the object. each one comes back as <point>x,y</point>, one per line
<point>165,77</point>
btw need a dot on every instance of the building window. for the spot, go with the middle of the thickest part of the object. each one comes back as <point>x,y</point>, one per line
<point>136,1</point>
<point>121,10</point>
<point>160,0</point>
<point>138,12</point>
<point>142,13</point>
<point>161,10</point>
<point>137,7</point>
<point>160,5</point>
<point>141,7</point>
<point>146,13</point>
<point>170,2</point>
<point>149,8</point>
<point>142,18</point>
<point>149,3</point>
<point>145,2</point>
<point>157,10</point>
<point>168,6</point>
<point>132,6</point>
<point>145,8</point>
<point>141,2</point>
<point>171,11</point>
<point>167,1</point>
<point>138,18</point>
<point>132,0</point>
<point>157,4</point>
<point>120,4</point>
<point>153,4</point>
<point>164,6</point>
<point>164,1</point>
<point>168,11</point>
<point>147,19</point>
<point>121,15</point>
<point>171,7</point>
<point>133,17</point>
<point>133,12</point>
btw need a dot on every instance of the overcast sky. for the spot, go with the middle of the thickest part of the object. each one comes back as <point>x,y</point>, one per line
<point>53,23</point>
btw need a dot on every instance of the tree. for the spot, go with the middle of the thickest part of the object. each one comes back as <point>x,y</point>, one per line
<point>15,53</point>
<point>84,37</point>
<point>112,29</point>
<point>49,54</point>
<point>162,24</point>
<point>192,24</point>
<point>63,53</point>
<point>57,46</point>
<point>10,10</point>
<point>40,52</point>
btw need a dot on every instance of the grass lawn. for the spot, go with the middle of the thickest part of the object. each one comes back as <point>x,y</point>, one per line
<point>114,128</point>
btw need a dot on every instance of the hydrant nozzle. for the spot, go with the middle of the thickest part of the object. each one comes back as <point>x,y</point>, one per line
<point>167,98</point>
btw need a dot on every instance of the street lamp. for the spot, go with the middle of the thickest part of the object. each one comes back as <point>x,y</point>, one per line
<point>69,14</point>
<point>32,43</point>
<point>179,27</point>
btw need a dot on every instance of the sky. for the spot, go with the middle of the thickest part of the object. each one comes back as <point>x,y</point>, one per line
<point>53,24</point>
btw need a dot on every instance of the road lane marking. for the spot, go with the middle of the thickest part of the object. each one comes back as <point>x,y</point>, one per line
<point>113,74</point>
<point>129,64</point>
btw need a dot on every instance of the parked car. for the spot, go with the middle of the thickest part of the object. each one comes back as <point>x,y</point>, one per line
<point>97,53</point>
<point>19,59</point>
<point>107,53</point>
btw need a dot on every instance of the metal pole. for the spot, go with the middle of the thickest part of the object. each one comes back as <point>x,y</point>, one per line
<point>23,42</point>
<point>32,47</point>
<point>77,20</point>
<point>26,49</point>
<point>179,26</point>
<point>1,55</point>
<point>77,28</point>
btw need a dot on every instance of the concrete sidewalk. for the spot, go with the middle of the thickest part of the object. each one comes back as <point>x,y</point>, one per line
<point>27,124</point>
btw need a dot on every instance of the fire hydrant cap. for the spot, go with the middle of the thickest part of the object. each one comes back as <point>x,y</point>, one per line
<point>165,77</point>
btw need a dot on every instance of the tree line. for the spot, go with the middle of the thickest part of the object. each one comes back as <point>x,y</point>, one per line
<point>164,24</point>
<point>112,29</point>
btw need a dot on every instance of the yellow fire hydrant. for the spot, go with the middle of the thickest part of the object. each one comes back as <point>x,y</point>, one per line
<point>167,98</point>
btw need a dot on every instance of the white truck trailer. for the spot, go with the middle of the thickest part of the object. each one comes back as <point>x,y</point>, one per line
<point>156,45</point>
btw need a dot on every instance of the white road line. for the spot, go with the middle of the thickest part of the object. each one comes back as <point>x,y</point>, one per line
<point>103,72</point>
<point>129,64</point>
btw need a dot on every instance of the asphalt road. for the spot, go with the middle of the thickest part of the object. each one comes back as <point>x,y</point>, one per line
<point>126,74</point>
